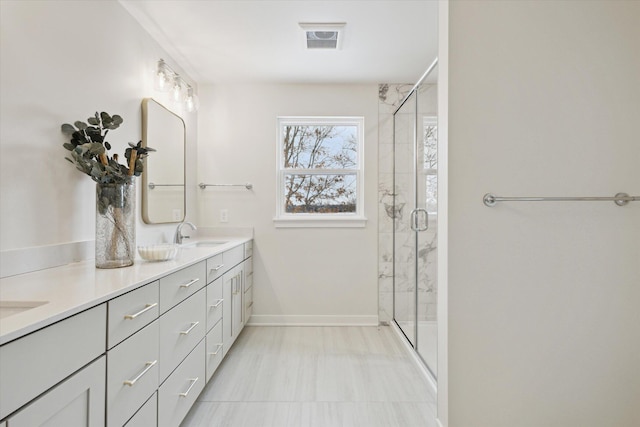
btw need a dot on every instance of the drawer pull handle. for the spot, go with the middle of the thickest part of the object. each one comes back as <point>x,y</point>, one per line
<point>216,305</point>
<point>186,285</point>
<point>215,269</point>
<point>193,382</point>
<point>148,366</point>
<point>215,353</point>
<point>193,325</point>
<point>144,310</point>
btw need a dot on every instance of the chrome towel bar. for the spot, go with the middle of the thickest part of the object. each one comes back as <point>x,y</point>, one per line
<point>619,199</point>
<point>152,185</point>
<point>247,185</point>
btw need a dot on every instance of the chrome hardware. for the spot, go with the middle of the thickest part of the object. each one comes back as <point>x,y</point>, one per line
<point>215,269</point>
<point>179,236</point>
<point>248,186</point>
<point>193,382</point>
<point>619,199</point>
<point>144,310</point>
<point>148,365</point>
<point>186,285</point>
<point>216,304</point>
<point>426,219</point>
<point>415,223</point>
<point>215,353</point>
<point>193,325</point>
<point>152,185</point>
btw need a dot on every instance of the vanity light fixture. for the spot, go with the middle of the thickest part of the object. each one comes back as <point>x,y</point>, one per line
<point>167,79</point>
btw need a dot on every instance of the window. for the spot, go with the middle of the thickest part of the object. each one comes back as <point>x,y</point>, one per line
<point>430,140</point>
<point>320,173</point>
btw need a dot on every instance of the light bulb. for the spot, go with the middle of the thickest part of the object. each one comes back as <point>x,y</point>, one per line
<point>176,90</point>
<point>191,102</point>
<point>163,79</point>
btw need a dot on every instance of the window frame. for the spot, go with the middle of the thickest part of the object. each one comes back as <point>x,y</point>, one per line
<point>337,219</point>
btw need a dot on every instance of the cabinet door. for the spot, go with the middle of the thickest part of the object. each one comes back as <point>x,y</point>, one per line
<point>181,328</point>
<point>132,374</point>
<point>79,401</point>
<point>227,285</point>
<point>179,392</point>
<point>147,416</point>
<point>237,298</point>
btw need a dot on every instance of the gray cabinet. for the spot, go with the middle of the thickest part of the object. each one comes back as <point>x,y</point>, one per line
<point>39,361</point>
<point>140,359</point>
<point>78,401</point>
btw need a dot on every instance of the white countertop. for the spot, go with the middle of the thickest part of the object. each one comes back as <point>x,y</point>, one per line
<point>72,288</point>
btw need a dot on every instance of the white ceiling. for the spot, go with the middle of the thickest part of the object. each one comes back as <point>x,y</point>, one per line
<point>220,41</point>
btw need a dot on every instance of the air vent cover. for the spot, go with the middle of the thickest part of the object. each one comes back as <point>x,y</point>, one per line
<point>322,35</point>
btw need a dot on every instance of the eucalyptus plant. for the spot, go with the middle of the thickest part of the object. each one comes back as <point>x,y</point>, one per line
<point>89,150</point>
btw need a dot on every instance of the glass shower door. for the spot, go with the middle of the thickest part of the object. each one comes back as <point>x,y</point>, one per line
<point>404,238</point>
<point>415,237</point>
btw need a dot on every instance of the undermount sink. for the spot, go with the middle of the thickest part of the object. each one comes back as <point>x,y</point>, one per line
<point>204,243</point>
<point>9,308</point>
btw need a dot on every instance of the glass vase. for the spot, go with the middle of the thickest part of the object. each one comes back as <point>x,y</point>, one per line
<point>115,224</point>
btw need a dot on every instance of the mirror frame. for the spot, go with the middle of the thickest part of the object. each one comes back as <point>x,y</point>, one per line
<point>145,173</point>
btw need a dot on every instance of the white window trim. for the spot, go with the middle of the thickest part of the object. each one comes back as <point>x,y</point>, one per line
<point>283,219</point>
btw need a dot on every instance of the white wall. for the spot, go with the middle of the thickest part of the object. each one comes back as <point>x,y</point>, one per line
<point>301,274</point>
<point>60,62</point>
<point>544,324</point>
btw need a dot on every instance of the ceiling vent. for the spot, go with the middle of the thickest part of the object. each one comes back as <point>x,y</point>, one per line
<point>322,35</point>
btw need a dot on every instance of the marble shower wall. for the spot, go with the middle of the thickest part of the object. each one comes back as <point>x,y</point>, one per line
<point>390,96</point>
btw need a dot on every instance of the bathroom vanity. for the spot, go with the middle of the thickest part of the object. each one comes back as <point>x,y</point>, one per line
<point>133,346</point>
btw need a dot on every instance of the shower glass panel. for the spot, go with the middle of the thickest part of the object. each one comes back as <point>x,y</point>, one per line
<point>404,238</point>
<point>416,217</point>
<point>427,240</point>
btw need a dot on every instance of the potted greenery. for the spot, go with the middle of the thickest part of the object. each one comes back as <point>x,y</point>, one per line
<point>115,191</point>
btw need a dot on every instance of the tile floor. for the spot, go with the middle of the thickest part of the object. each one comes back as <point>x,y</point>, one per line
<point>316,377</point>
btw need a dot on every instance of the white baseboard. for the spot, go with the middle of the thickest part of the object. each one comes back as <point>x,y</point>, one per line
<point>311,320</point>
<point>19,261</point>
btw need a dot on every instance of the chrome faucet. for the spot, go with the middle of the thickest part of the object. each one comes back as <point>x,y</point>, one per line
<point>179,235</point>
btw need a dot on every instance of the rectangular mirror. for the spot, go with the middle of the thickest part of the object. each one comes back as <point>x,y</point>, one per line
<point>163,179</point>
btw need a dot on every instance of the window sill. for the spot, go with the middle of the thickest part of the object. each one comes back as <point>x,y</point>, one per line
<point>315,222</point>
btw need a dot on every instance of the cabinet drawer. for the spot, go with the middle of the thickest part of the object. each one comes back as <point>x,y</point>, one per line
<point>42,359</point>
<point>215,303</point>
<point>215,349</point>
<point>248,249</point>
<point>181,284</point>
<point>248,274</point>
<point>147,416</point>
<point>181,328</point>
<point>130,312</point>
<point>248,298</point>
<point>215,267</point>
<point>132,374</point>
<point>180,390</point>
<point>233,256</point>
<point>76,402</point>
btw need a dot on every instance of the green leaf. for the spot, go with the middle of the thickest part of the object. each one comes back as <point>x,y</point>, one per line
<point>95,149</point>
<point>117,120</point>
<point>68,146</point>
<point>67,129</point>
<point>80,125</point>
<point>107,145</point>
<point>93,121</point>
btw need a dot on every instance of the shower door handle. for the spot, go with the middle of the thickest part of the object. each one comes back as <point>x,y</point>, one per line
<point>415,223</point>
